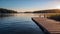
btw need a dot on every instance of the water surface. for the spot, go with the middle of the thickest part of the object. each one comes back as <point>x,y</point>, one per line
<point>19,24</point>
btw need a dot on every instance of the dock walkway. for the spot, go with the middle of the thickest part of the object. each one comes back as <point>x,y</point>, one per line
<point>48,26</point>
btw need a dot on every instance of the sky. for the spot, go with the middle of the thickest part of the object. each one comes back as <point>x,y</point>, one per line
<point>29,5</point>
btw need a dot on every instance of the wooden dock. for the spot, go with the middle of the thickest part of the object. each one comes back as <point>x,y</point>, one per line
<point>48,26</point>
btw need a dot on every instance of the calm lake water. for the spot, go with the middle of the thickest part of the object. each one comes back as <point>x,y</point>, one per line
<point>19,24</point>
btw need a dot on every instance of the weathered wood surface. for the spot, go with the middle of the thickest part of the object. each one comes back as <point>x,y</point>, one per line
<point>51,26</point>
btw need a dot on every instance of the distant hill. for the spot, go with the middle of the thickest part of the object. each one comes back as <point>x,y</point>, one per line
<point>2,10</point>
<point>28,12</point>
<point>48,11</point>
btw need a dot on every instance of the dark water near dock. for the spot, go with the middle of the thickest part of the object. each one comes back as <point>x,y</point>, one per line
<point>19,24</point>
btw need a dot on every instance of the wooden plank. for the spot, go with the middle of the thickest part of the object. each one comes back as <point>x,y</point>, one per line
<point>48,26</point>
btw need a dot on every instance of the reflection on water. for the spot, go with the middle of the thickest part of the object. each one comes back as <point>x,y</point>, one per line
<point>19,24</point>
<point>5,15</point>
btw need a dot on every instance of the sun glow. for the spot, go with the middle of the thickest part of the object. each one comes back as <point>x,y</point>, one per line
<point>58,7</point>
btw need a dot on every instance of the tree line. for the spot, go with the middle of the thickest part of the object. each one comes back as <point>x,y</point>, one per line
<point>2,10</point>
